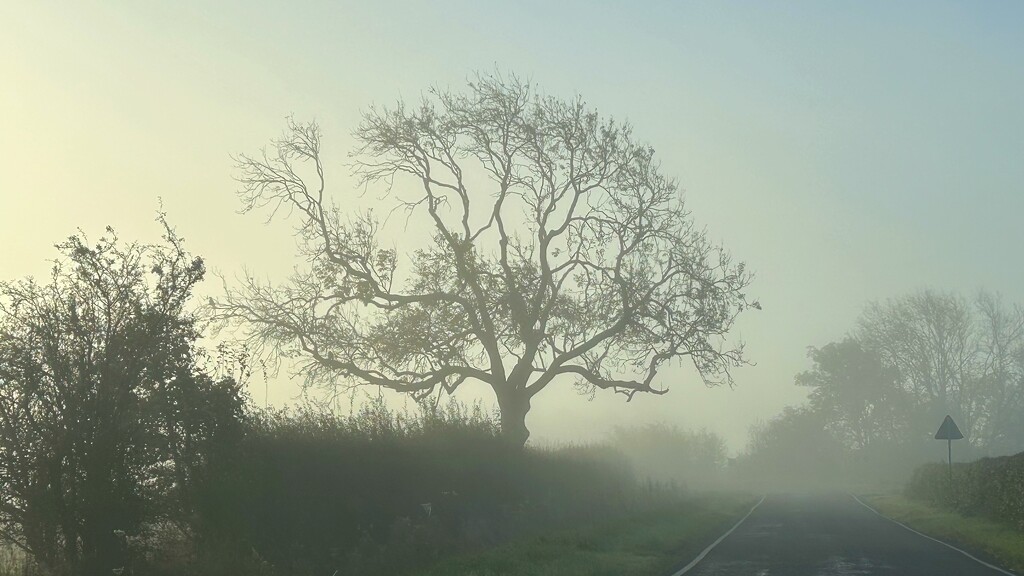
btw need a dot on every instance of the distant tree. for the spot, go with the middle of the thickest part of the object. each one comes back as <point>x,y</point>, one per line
<point>915,359</point>
<point>878,396</point>
<point>858,394</point>
<point>930,339</point>
<point>1001,374</point>
<point>668,453</point>
<point>793,449</point>
<point>105,416</point>
<point>558,249</point>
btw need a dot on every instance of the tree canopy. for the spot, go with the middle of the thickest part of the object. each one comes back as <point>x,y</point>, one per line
<point>558,251</point>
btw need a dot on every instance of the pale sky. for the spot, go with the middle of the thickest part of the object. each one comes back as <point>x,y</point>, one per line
<point>847,151</point>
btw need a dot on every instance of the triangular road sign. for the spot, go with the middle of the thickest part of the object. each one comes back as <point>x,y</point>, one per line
<point>948,430</point>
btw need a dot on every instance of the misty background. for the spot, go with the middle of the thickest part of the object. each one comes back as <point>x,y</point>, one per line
<point>847,153</point>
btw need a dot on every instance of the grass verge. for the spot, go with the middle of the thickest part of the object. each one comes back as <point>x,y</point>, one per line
<point>648,543</point>
<point>1003,544</point>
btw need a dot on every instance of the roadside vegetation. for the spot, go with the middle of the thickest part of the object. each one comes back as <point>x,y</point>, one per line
<point>381,491</point>
<point>129,447</point>
<point>990,488</point>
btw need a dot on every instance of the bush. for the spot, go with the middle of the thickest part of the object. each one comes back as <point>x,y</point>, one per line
<point>990,487</point>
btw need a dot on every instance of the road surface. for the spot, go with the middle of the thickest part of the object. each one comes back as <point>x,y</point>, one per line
<point>828,535</point>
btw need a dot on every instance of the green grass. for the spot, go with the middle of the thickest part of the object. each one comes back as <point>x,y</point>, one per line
<point>1003,543</point>
<point>644,543</point>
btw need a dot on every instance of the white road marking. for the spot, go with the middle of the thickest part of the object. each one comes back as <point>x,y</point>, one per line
<point>947,545</point>
<point>701,556</point>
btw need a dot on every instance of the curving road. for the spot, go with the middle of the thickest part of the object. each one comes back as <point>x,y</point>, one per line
<point>828,535</point>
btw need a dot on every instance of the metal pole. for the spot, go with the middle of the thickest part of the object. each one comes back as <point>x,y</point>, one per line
<point>949,448</point>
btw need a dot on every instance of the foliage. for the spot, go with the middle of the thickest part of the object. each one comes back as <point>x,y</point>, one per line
<point>558,250</point>
<point>989,487</point>
<point>106,418</point>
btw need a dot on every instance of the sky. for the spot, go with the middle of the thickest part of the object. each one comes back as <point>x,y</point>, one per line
<point>846,151</point>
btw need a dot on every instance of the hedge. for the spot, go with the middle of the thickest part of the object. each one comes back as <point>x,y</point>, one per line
<point>989,487</point>
<point>382,493</point>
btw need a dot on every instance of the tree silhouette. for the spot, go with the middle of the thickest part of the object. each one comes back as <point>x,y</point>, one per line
<point>106,419</point>
<point>558,250</point>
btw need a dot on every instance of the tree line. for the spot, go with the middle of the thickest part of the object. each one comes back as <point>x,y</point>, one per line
<point>880,393</point>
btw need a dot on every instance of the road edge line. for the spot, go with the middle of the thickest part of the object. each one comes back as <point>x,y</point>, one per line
<point>705,552</point>
<point>946,544</point>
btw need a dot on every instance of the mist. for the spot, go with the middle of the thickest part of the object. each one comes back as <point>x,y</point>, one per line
<point>616,263</point>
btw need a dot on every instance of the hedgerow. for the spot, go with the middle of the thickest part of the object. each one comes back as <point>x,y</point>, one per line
<point>383,492</point>
<point>989,487</point>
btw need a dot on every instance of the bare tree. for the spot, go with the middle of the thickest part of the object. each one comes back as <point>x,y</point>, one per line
<point>558,249</point>
<point>930,339</point>
<point>1001,379</point>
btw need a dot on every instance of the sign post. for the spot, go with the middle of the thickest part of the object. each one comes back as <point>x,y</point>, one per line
<point>949,431</point>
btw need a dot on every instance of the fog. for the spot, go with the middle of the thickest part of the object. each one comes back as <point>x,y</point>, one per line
<point>846,154</point>
<point>845,179</point>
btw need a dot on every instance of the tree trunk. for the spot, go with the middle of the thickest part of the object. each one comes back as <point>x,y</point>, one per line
<point>513,407</point>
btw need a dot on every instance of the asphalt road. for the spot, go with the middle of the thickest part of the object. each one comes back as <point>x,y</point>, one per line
<point>829,535</point>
